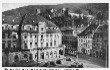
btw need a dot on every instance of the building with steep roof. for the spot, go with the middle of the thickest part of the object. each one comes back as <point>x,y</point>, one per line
<point>85,39</point>
<point>41,40</point>
<point>69,40</point>
<point>100,42</point>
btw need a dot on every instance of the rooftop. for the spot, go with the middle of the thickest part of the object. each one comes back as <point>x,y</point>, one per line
<point>32,19</point>
<point>89,30</point>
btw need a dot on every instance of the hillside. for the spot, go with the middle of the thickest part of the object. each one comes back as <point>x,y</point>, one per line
<point>32,8</point>
<point>16,14</point>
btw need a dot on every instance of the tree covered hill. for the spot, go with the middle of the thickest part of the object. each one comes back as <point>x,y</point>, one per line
<point>32,8</point>
<point>64,20</point>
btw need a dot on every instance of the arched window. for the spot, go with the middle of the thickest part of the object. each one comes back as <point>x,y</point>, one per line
<point>61,52</point>
<point>25,55</point>
<point>42,55</point>
<point>55,53</point>
<point>47,54</point>
<point>30,56</point>
<point>14,36</point>
<point>51,54</point>
<point>25,45</point>
<point>16,58</point>
<point>36,55</point>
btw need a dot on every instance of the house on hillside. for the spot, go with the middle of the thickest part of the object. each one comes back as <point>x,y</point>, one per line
<point>85,39</point>
<point>100,42</point>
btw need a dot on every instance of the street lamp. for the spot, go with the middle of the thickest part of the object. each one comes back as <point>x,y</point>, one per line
<point>77,56</point>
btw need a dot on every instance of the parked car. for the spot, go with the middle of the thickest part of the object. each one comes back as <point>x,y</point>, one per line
<point>58,62</point>
<point>52,64</point>
<point>68,59</point>
<point>76,65</point>
<point>44,64</point>
<point>79,66</point>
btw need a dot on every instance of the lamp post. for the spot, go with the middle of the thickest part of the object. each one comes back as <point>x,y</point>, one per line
<point>77,56</point>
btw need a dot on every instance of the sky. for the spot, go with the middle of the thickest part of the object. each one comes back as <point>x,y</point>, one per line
<point>9,6</point>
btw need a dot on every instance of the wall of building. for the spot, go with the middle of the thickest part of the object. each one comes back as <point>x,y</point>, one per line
<point>85,44</point>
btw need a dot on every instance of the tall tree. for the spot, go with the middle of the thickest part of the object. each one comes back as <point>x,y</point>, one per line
<point>78,11</point>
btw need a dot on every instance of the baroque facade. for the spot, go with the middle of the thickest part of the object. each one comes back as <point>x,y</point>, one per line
<point>41,40</point>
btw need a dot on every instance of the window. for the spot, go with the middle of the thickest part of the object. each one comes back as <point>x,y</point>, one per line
<point>23,27</point>
<point>12,27</point>
<point>25,46</point>
<point>14,36</point>
<point>47,44</point>
<point>47,35</point>
<point>3,35</point>
<point>35,44</point>
<point>36,55</point>
<point>9,45</point>
<point>47,54</point>
<point>30,44</point>
<point>41,44</point>
<point>8,35</point>
<point>30,56</point>
<point>41,36</point>
<point>2,28</point>
<point>50,43</point>
<point>88,51</point>
<point>30,35</point>
<point>42,55</point>
<point>25,55</point>
<point>50,35</point>
<point>16,58</point>
<point>14,46</point>
<point>51,54</point>
<point>35,36</point>
<point>41,29</point>
<point>30,29</point>
<point>61,52</point>
<point>3,45</point>
<point>55,53</point>
<point>25,36</point>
